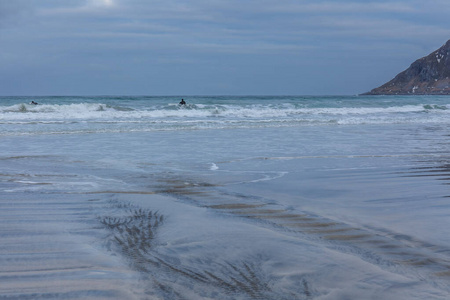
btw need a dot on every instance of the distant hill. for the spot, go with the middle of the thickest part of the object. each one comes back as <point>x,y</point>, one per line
<point>429,75</point>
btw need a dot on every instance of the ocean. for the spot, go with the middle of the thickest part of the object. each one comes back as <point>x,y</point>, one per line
<point>226,197</point>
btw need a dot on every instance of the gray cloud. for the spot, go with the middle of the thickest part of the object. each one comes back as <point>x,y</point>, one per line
<point>60,42</point>
<point>13,12</point>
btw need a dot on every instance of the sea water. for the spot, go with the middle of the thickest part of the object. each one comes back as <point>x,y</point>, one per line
<point>230,197</point>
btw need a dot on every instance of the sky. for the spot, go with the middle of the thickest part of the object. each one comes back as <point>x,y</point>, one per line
<point>213,47</point>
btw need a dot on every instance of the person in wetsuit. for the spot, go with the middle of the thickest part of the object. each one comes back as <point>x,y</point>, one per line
<point>182,102</point>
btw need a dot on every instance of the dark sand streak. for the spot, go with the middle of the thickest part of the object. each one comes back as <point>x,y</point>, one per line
<point>371,244</point>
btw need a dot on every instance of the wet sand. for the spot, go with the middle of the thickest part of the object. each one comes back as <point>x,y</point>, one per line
<point>50,250</point>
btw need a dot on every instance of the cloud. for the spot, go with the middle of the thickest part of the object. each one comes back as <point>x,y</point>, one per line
<point>74,9</point>
<point>104,2</point>
<point>266,20</point>
<point>13,12</point>
<point>336,7</point>
<point>138,36</point>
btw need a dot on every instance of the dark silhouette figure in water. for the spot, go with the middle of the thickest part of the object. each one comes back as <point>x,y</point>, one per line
<point>34,103</point>
<point>182,102</point>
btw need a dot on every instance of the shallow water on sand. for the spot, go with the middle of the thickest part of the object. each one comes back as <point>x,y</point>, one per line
<point>316,211</point>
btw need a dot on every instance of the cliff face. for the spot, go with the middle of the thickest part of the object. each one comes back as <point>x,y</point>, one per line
<point>427,75</point>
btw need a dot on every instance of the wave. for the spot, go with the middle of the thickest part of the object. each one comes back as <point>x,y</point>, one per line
<point>88,117</point>
<point>49,108</point>
<point>435,106</point>
<point>86,110</point>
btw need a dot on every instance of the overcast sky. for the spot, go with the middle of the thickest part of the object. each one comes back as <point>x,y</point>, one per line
<point>213,47</point>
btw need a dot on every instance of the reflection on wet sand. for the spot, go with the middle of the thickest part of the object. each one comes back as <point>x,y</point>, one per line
<point>398,252</point>
<point>440,170</point>
<point>134,238</point>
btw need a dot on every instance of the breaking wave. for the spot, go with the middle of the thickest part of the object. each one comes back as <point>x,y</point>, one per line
<point>141,114</point>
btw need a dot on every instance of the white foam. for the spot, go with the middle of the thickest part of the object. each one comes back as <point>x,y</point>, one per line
<point>101,117</point>
<point>103,111</point>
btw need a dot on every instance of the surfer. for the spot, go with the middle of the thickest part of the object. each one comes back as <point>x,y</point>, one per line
<point>182,102</point>
<point>34,103</point>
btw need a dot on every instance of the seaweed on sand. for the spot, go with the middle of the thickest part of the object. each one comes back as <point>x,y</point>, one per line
<point>135,231</point>
<point>133,234</point>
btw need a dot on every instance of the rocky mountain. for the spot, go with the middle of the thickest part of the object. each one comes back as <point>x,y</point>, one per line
<point>429,75</point>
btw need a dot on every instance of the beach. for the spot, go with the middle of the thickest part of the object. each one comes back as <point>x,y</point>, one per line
<point>230,197</point>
